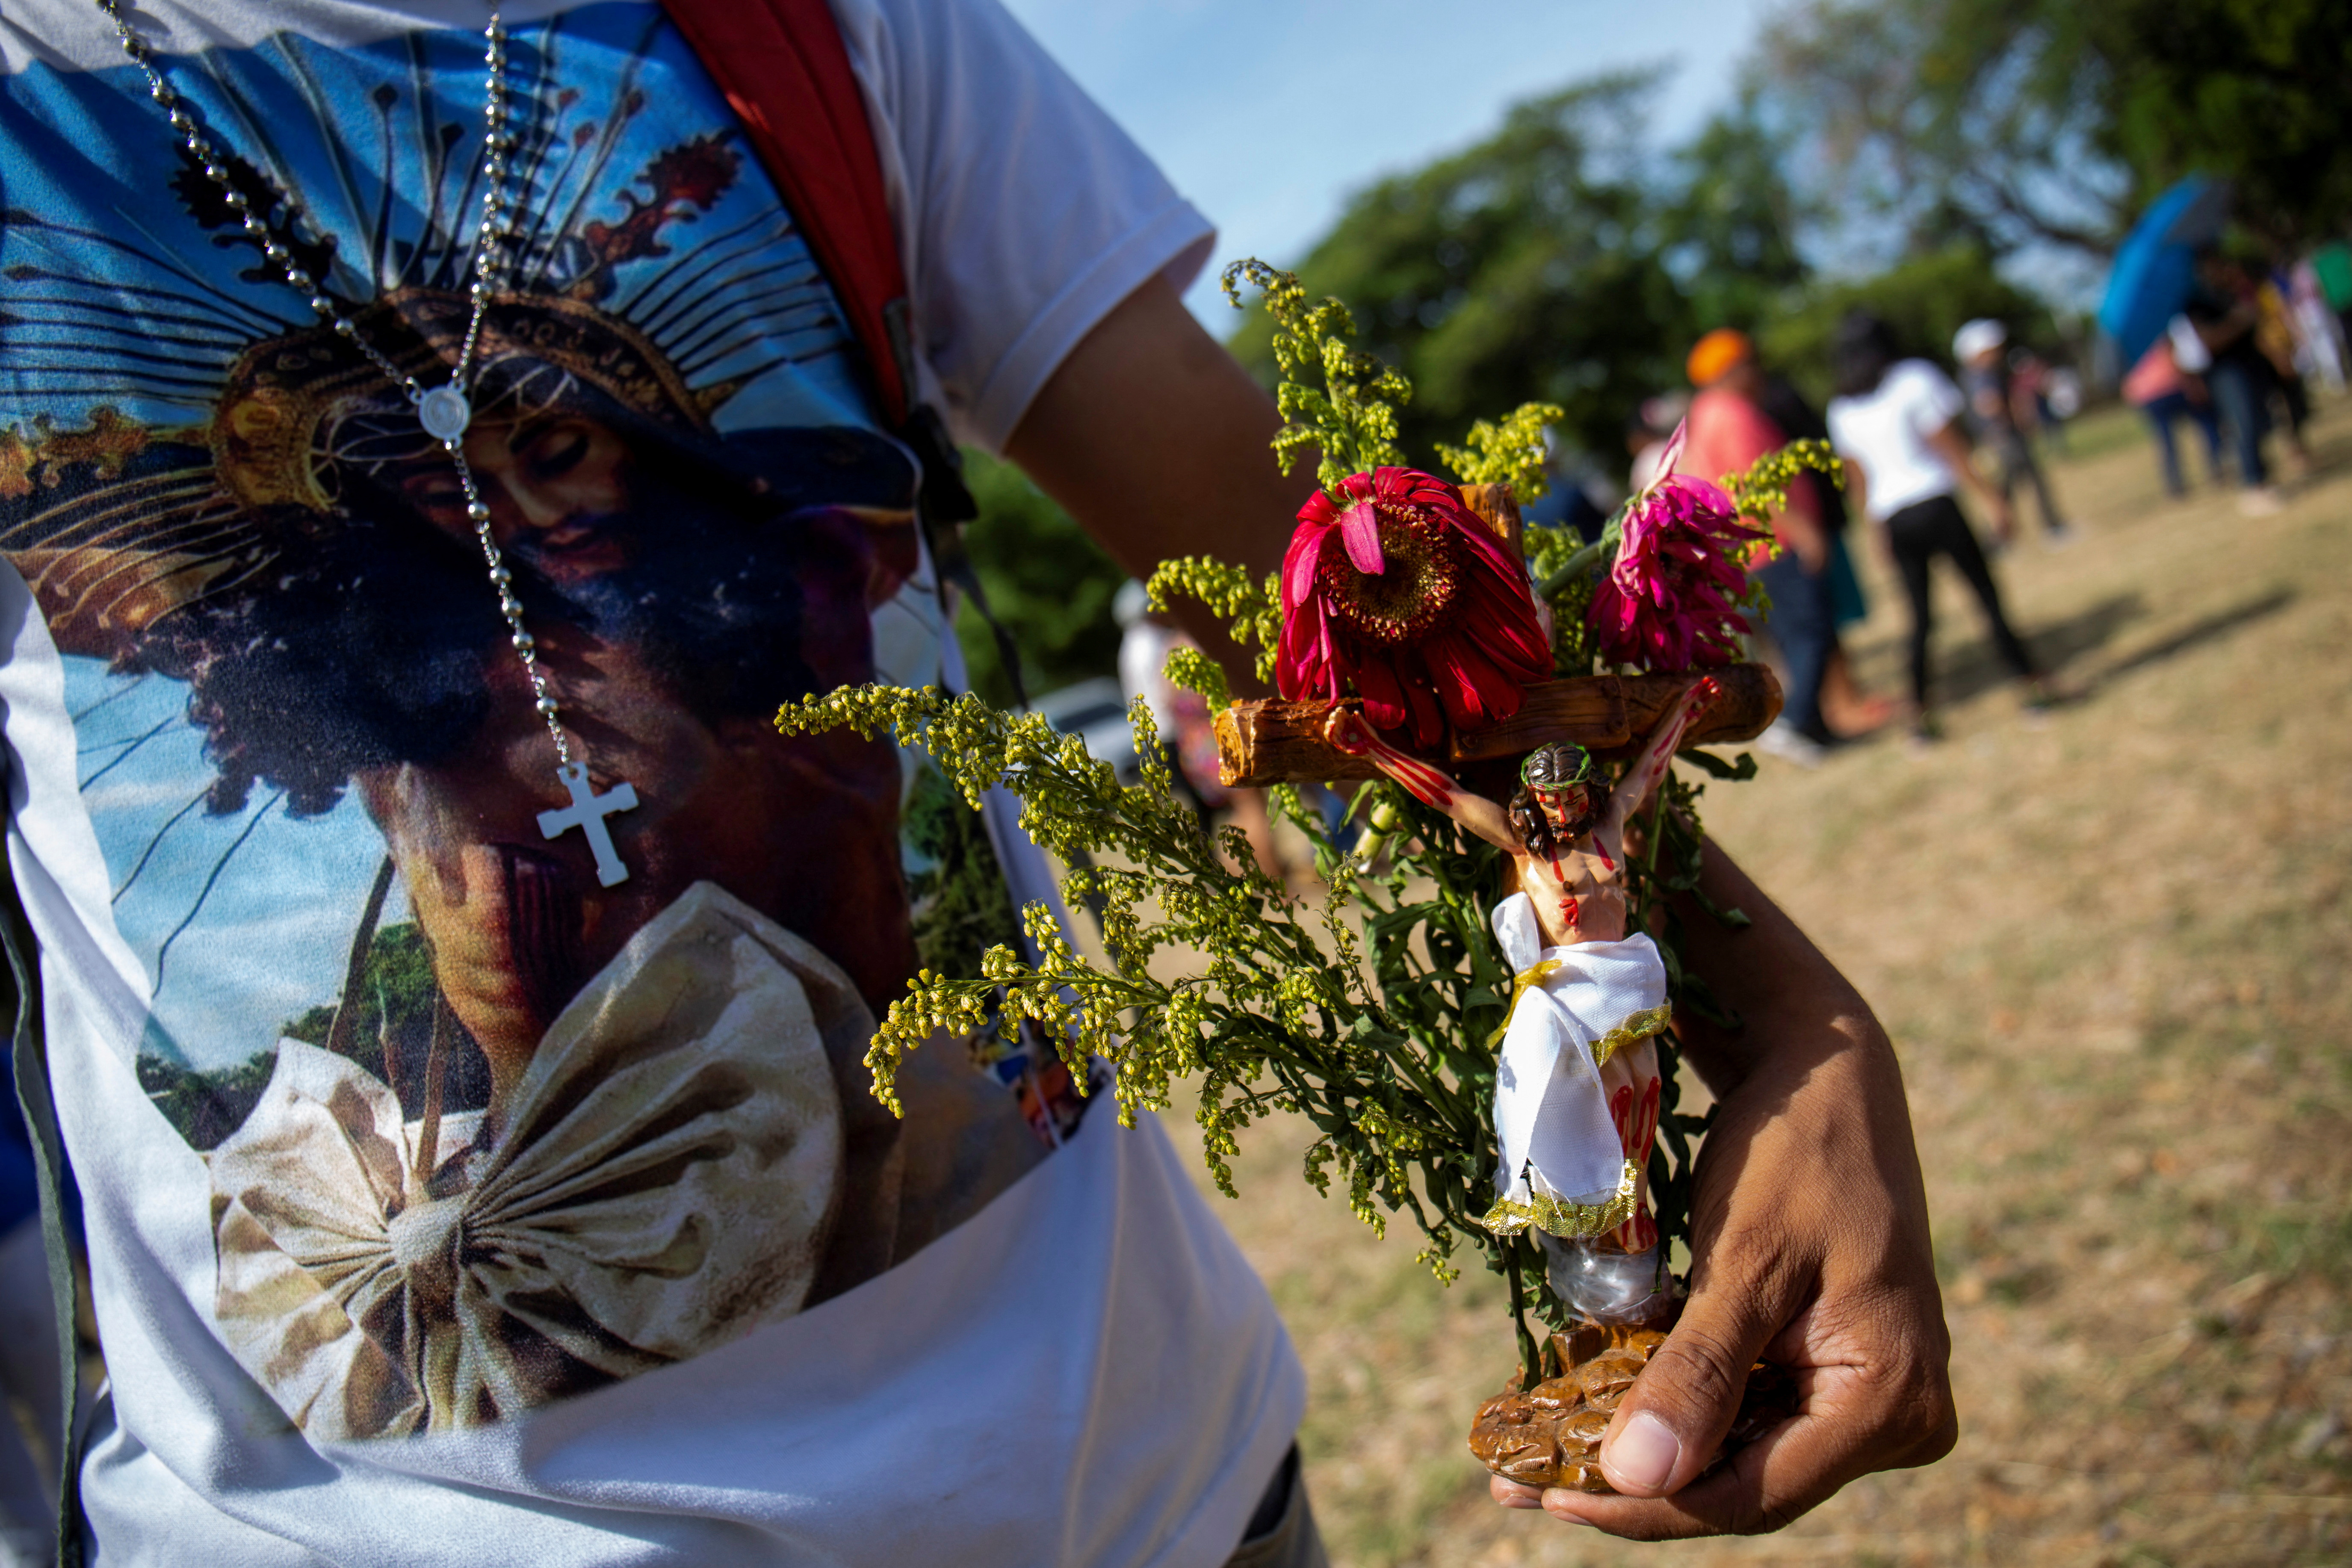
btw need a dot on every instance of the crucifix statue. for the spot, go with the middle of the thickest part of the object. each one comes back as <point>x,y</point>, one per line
<point>1578,1085</point>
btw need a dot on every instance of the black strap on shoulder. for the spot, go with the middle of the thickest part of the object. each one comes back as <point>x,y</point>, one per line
<point>33,1095</point>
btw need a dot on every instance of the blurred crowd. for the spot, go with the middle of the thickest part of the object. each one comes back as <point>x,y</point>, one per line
<point>1919,429</point>
<point>2235,364</point>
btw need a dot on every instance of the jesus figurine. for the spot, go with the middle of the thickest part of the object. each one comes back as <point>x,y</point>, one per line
<point>1576,1085</point>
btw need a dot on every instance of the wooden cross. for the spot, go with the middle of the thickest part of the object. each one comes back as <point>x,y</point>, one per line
<point>587,812</point>
<point>1269,741</point>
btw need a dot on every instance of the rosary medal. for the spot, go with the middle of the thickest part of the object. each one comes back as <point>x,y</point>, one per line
<point>445,413</point>
<point>587,812</point>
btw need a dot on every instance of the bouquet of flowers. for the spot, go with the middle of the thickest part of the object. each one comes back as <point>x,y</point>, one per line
<point>1421,1018</point>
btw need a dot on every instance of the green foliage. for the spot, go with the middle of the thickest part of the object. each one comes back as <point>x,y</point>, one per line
<point>1762,489</point>
<point>2005,123</point>
<point>1195,672</point>
<point>1523,268</point>
<point>956,898</point>
<point>1048,582</point>
<point>1924,298</point>
<point>1352,419</point>
<point>1949,124</point>
<point>1278,1015</point>
<point>205,1106</point>
<point>1254,604</point>
<point>2257,92</point>
<point>1727,229</point>
<point>1510,453</point>
<point>392,1008</point>
<point>395,1000</point>
<point>1369,1016</point>
<point>1552,554</point>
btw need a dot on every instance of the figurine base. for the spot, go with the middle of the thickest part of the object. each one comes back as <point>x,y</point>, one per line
<point>1549,1434</point>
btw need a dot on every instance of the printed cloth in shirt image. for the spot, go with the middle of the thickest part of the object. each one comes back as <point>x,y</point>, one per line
<point>481,1132</point>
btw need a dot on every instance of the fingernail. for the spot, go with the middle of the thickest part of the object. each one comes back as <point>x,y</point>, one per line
<point>1642,1456</point>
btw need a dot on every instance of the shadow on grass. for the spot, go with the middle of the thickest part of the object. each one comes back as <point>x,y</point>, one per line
<point>2064,645</point>
<point>1974,667</point>
<point>2204,629</point>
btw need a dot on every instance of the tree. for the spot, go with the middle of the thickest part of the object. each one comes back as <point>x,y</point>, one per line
<point>1728,233</point>
<point>1977,121</point>
<point>1527,268</point>
<point>2011,122</point>
<point>1924,298</point>
<point>2257,92</point>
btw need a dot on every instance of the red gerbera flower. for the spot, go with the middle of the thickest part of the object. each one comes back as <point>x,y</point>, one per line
<point>1666,604</point>
<point>1408,595</point>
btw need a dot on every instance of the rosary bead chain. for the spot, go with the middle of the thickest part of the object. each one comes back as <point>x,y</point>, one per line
<point>526,647</point>
<point>488,261</point>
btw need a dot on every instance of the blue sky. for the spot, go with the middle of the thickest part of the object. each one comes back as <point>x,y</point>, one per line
<point>1376,86</point>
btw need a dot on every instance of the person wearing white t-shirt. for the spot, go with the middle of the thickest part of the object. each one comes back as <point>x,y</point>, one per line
<point>1897,421</point>
<point>447,1197</point>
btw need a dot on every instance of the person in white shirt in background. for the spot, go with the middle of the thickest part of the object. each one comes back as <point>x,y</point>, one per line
<point>1897,421</point>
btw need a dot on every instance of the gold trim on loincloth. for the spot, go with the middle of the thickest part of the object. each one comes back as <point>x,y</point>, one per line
<point>1563,1217</point>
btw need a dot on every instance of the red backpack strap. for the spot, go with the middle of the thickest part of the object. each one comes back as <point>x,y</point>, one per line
<point>785,72</point>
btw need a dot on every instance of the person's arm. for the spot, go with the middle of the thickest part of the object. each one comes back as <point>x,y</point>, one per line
<point>1951,444</point>
<point>2218,331</point>
<point>1810,1248</point>
<point>1650,767</point>
<point>1857,501</point>
<point>1158,442</point>
<point>1350,734</point>
<point>1857,486</point>
<point>1806,1148</point>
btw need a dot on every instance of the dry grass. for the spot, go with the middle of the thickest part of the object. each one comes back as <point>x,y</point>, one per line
<point>2112,951</point>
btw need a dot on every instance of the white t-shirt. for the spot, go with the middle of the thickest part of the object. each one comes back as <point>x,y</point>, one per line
<point>1887,433</point>
<point>444,1203</point>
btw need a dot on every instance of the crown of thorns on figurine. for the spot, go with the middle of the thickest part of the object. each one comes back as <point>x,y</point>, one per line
<point>1547,778</point>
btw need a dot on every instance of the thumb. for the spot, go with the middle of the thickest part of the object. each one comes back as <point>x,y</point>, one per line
<point>1674,1417</point>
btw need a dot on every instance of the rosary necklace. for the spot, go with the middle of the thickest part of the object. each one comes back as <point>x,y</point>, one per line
<point>444,411</point>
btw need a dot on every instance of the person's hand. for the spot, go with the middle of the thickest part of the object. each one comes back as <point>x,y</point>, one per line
<point>1810,1250</point>
<point>1806,540</point>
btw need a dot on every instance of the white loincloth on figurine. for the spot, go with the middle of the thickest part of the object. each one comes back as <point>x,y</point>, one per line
<point>1564,1168</point>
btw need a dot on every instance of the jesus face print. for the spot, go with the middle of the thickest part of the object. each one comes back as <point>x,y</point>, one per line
<point>675,591</point>
<point>474,1129</point>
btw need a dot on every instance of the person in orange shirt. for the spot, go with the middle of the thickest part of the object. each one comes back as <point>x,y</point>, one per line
<point>1732,424</point>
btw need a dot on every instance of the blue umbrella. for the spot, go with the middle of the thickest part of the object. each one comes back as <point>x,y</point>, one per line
<point>2155,268</point>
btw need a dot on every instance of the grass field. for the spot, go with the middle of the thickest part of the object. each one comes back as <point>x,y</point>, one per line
<point>2112,950</point>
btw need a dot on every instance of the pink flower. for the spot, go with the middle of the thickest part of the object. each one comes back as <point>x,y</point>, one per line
<point>1666,605</point>
<point>1408,595</point>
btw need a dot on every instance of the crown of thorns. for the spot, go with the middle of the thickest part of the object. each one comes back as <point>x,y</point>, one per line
<point>1558,766</point>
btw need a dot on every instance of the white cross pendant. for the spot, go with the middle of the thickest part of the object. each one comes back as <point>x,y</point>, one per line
<point>587,812</point>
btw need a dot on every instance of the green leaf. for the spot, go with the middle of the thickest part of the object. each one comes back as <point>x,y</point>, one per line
<point>1707,762</point>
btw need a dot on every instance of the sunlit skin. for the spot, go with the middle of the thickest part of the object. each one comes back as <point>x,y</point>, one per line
<point>1809,1238</point>
<point>803,830</point>
<point>1577,890</point>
